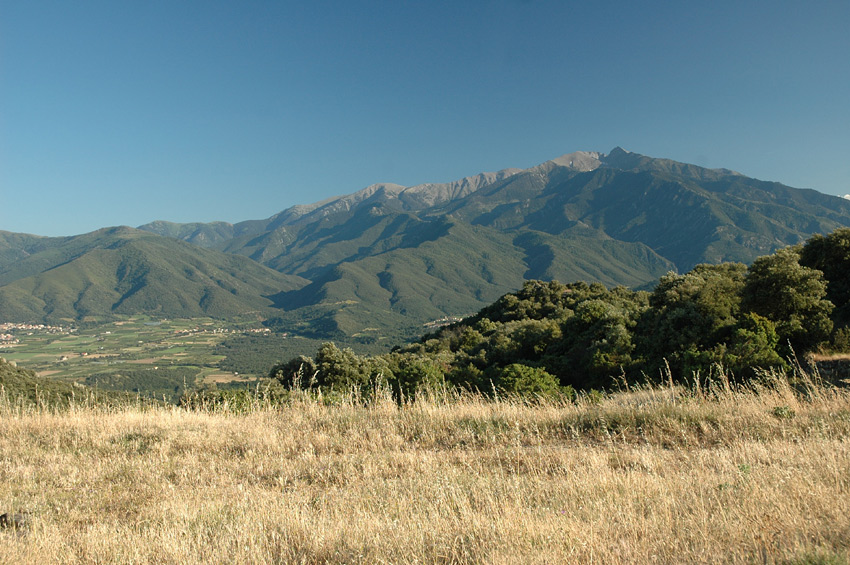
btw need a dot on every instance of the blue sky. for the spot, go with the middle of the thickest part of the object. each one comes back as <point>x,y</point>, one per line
<point>121,113</point>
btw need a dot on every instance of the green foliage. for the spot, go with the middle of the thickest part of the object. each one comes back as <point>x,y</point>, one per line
<point>840,342</point>
<point>689,315</point>
<point>598,339</point>
<point>298,372</point>
<point>412,374</point>
<point>537,300</point>
<point>790,295</point>
<point>831,255</point>
<point>753,343</point>
<point>523,380</point>
<point>342,369</point>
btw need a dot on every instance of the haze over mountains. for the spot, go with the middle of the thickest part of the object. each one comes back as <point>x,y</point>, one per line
<point>389,258</point>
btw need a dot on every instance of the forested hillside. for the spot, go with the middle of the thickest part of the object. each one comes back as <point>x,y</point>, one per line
<point>552,338</point>
<point>20,388</point>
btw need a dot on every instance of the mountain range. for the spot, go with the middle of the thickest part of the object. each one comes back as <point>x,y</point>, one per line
<point>387,259</point>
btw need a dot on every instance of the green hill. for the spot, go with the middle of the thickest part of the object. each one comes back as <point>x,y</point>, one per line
<point>126,271</point>
<point>22,386</point>
<point>443,267</point>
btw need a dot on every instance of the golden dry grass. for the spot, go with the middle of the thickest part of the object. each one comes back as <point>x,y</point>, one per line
<point>652,476</point>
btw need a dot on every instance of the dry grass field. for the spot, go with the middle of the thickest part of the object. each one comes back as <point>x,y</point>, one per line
<point>648,476</point>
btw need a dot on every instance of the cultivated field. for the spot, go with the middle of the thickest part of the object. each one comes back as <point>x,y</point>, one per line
<point>156,357</point>
<point>139,343</point>
<point>647,476</point>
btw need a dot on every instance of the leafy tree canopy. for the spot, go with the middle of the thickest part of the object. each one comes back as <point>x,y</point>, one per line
<point>792,296</point>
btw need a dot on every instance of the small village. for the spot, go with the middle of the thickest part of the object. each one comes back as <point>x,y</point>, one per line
<point>9,331</point>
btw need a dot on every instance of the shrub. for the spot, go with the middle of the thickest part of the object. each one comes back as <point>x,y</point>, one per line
<point>298,372</point>
<point>412,373</point>
<point>521,379</point>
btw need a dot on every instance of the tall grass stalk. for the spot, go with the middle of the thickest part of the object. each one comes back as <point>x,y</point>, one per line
<point>716,472</point>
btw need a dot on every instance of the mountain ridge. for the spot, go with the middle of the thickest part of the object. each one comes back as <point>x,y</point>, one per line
<point>584,214</point>
<point>415,197</point>
<point>388,258</point>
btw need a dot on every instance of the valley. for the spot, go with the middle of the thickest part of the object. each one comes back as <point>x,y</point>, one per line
<point>156,358</point>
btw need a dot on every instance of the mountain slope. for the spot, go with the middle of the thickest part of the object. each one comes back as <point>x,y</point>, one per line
<point>620,218</point>
<point>400,272</point>
<point>126,271</point>
<point>15,247</point>
<point>388,258</point>
<point>685,213</point>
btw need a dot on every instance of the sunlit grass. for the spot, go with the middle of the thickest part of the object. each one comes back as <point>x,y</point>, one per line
<point>666,475</point>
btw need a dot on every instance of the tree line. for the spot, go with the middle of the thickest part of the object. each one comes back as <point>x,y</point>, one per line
<point>554,338</point>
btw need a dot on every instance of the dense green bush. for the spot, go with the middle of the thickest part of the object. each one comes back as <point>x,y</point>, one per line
<point>521,379</point>
<point>831,255</point>
<point>790,295</point>
<point>298,372</point>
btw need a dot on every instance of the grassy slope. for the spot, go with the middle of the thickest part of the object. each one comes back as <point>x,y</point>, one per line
<point>653,476</point>
<point>20,386</point>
